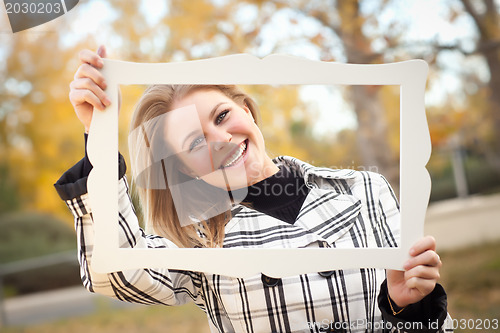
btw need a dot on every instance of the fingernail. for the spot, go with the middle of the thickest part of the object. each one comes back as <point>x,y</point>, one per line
<point>100,62</point>
<point>99,50</point>
<point>107,102</point>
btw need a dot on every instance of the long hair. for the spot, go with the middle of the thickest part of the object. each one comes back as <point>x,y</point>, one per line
<point>160,212</point>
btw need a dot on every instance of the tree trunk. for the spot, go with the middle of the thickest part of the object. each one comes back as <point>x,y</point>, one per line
<point>373,140</point>
<point>488,26</point>
<point>493,60</point>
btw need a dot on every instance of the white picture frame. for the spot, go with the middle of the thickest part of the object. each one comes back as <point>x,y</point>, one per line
<point>415,149</point>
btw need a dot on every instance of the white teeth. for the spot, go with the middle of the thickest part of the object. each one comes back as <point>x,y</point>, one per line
<point>236,156</point>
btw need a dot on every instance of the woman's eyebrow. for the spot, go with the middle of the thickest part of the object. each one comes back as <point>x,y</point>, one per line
<point>212,113</point>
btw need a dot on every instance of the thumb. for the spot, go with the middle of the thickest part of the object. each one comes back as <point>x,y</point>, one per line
<point>101,51</point>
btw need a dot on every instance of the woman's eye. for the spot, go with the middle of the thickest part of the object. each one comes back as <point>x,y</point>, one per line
<point>196,142</point>
<point>221,116</point>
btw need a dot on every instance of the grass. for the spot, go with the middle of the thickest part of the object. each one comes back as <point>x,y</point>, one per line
<point>471,278</point>
<point>151,319</point>
<point>25,235</point>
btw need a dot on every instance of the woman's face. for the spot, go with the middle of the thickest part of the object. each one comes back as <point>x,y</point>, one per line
<point>217,140</point>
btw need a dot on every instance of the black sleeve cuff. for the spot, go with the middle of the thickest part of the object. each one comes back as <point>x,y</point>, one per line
<point>73,183</point>
<point>87,166</point>
<point>431,311</point>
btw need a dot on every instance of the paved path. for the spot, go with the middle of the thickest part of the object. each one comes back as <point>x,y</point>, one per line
<point>53,305</point>
<point>454,223</point>
<point>460,223</point>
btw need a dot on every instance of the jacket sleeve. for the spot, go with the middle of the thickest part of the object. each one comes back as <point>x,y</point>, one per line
<point>387,213</point>
<point>428,315</point>
<point>145,286</point>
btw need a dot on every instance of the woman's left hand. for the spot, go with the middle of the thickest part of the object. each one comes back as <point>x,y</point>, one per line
<point>420,275</point>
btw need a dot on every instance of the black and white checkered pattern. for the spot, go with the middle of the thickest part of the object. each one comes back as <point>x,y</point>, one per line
<point>344,209</point>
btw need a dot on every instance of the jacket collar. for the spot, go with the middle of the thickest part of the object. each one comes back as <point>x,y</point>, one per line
<point>324,217</point>
<point>311,173</point>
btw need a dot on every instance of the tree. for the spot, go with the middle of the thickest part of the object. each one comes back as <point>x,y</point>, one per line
<point>486,17</point>
<point>343,21</point>
<point>39,136</point>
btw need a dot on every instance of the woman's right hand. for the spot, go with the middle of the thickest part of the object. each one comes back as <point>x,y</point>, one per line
<point>87,88</point>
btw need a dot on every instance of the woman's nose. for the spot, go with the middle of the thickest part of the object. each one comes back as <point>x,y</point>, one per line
<point>220,139</point>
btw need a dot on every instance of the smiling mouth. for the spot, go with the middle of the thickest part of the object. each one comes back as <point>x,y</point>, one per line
<point>236,156</point>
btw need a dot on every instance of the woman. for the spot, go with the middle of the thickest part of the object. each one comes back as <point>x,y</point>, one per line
<point>326,208</point>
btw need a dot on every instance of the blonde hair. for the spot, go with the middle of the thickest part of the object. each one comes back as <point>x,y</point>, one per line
<point>157,203</point>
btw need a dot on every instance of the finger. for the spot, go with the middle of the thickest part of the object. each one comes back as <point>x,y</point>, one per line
<point>423,286</point>
<point>87,71</point>
<point>422,245</point>
<point>81,96</point>
<point>88,84</point>
<point>101,51</point>
<point>428,258</point>
<point>423,272</point>
<point>91,58</point>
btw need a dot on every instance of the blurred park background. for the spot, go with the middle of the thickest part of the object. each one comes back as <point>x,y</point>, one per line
<point>40,137</point>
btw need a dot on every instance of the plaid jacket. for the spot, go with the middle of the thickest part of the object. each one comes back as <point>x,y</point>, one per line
<point>343,209</point>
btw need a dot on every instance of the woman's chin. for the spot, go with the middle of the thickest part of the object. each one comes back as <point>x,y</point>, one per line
<point>228,178</point>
